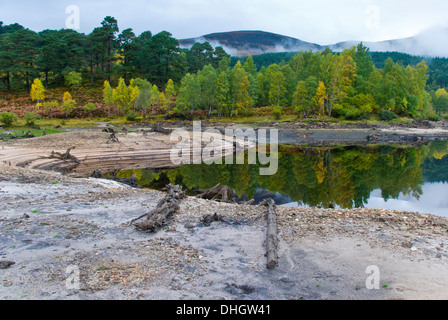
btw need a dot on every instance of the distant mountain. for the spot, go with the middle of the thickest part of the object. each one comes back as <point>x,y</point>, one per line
<point>243,43</point>
<point>430,43</point>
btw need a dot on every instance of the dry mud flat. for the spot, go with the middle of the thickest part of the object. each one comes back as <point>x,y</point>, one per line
<point>51,225</point>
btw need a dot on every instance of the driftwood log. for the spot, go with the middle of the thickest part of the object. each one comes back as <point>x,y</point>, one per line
<point>166,207</point>
<point>272,235</point>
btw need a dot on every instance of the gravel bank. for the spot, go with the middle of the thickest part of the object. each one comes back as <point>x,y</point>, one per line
<point>50,224</point>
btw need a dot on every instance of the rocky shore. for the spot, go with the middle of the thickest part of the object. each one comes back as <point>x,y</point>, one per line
<point>51,225</point>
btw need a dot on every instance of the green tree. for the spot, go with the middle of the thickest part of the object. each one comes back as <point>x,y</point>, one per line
<point>301,101</point>
<point>241,99</point>
<point>365,68</point>
<point>24,55</point>
<point>189,94</point>
<point>277,88</point>
<point>49,58</point>
<point>155,98</point>
<point>128,47</point>
<point>143,101</point>
<point>31,118</point>
<point>7,58</point>
<point>250,67</point>
<point>222,93</point>
<point>200,55</point>
<point>170,95</point>
<point>73,80</point>
<point>122,96</point>
<point>220,56</point>
<point>207,79</point>
<point>7,118</point>
<point>108,33</point>
<point>90,107</point>
<point>49,106</point>
<point>160,59</point>
<point>68,104</point>
<point>440,101</point>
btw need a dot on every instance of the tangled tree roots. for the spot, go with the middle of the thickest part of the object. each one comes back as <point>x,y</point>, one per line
<point>64,156</point>
<point>218,193</point>
<point>166,207</point>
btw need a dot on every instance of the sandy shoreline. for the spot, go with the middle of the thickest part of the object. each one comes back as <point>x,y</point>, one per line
<point>142,148</point>
<point>50,222</point>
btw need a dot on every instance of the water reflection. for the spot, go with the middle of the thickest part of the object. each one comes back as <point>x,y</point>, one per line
<point>392,177</point>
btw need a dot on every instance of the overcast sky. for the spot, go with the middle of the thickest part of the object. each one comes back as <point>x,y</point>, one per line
<point>322,21</point>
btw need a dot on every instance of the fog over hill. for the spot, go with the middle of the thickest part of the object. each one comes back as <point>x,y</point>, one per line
<point>432,43</point>
<point>243,43</point>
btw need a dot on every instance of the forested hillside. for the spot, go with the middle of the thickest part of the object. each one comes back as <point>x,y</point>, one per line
<point>437,71</point>
<point>52,72</point>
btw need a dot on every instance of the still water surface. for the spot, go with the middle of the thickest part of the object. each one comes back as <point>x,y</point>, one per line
<point>405,178</point>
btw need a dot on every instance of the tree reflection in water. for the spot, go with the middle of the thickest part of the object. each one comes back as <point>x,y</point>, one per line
<point>344,176</point>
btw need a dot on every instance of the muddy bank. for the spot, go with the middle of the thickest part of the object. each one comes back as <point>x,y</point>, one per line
<point>50,222</point>
<point>90,150</point>
<point>331,133</point>
<point>142,148</point>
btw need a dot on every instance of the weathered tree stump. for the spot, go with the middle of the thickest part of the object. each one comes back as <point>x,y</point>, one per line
<point>113,138</point>
<point>64,156</point>
<point>272,235</point>
<point>159,129</point>
<point>209,219</point>
<point>6,264</point>
<point>166,207</point>
<point>218,193</point>
<point>108,130</point>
